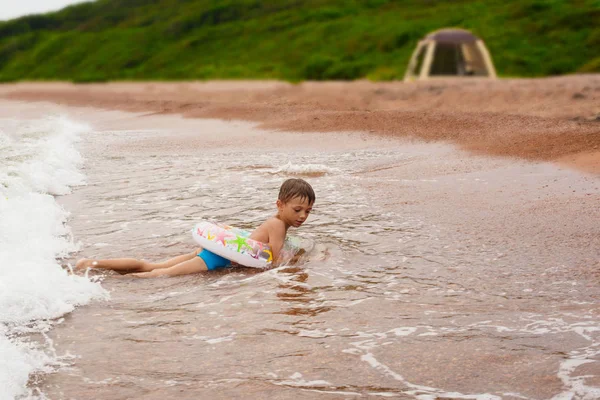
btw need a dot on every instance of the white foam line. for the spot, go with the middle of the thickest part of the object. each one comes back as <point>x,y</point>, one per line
<point>301,169</point>
<point>512,394</point>
<point>433,392</point>
<point>317,333</point>
<point>581,330</point>
<point>372,361</point>
<point>420,392</point>
<point>297,381</point>
<point>455,395</point>
<point>333,392</point>
<point>208,340</point>
<point>575,386</point>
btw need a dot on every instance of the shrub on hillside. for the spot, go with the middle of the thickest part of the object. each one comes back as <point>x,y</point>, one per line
<point>316,67</point>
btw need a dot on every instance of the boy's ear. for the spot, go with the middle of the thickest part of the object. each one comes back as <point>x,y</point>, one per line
<point>279,203</point>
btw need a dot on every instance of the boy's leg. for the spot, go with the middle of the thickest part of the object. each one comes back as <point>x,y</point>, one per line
<point>170,262</point>
<point>192,266</point>
<point>132,264</point>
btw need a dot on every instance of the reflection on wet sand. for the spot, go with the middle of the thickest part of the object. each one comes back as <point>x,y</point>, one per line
<point>300,297</point>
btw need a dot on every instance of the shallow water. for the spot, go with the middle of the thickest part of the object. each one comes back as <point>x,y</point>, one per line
<point>435,274</point>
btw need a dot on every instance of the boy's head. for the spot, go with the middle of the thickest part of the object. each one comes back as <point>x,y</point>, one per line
<point>294,187</point>
<point>295,201</point>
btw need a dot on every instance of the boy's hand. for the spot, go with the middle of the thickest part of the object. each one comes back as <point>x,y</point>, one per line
<point>297,256</point>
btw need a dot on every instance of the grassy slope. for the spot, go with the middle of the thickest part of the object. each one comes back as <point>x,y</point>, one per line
<point>289,39</point>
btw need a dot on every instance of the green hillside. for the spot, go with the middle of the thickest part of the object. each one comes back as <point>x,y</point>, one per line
<point>289,39</point>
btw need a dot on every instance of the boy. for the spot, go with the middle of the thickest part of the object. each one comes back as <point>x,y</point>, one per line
<point>294,204</point>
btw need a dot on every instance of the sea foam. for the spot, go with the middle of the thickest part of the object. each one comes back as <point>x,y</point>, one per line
<point>302,169</point>
<point>38,160</point>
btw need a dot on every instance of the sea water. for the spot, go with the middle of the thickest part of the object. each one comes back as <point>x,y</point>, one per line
<point>435,274</point>
<point>38,161</point>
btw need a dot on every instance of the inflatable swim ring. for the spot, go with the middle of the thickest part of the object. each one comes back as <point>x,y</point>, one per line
<point>235,244</point>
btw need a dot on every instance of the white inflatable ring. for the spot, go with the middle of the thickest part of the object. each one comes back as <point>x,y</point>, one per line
<point>235,244</point>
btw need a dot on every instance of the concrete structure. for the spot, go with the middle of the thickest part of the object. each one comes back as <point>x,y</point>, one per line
<point>448,53</point>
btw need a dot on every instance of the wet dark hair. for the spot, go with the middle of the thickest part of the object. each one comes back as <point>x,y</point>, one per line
<point>296,188</point>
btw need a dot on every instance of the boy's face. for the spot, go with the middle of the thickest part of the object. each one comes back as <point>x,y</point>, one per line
<point>294,211</point>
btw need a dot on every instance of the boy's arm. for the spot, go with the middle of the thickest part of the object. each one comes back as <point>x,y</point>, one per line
<point>276,239</point>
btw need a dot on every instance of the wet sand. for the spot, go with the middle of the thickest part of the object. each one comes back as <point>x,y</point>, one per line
<point>439,272</point>
<point>552,119</point>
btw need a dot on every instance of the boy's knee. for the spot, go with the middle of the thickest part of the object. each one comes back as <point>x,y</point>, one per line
<point>145,266</point>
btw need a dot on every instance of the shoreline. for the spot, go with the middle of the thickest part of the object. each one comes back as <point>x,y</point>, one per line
<point>547,119</point>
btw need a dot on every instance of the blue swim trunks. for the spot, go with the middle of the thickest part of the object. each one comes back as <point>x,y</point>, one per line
<point>213,261</point>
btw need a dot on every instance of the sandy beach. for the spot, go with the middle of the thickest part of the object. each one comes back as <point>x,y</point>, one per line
<point>456,232</point>
<point>551,119</point>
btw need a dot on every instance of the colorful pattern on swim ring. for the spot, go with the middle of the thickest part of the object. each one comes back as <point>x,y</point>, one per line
<point>233,244</point>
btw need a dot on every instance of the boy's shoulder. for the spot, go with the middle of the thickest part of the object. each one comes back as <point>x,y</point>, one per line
<point>270,229</point>
<point>274,223</point>
<point>277,230</point>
